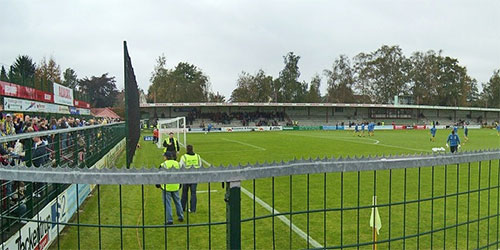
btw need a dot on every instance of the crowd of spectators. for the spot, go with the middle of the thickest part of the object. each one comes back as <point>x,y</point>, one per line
<point>42,151</point>
<point>246,118</point>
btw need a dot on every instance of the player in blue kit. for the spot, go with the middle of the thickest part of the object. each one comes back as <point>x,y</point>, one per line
<point>433,133</point>
<point>371,128</point>
<point>466,133</point>
<point>498,129</point>
<point>453,142</point>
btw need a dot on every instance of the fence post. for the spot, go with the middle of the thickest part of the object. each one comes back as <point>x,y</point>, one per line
<point>57,149</point>
<point>28,146</point>
<point>233,215</point>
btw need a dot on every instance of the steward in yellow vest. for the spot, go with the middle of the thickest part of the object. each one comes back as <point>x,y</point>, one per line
<point>171,145</point>
<point>171,191</point>
<point>190,160</point>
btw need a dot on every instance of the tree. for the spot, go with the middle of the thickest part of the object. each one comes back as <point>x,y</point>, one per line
<point>70,79</point>
<point>3,75</point>
<point>340,80</point>
<point>383,73</point>
<point>185,83</point>
<point>102,90</point>
<point>23,71</point>
<point>423,76</point>
<point>491,91</point>
<point>216,97</point>
<point>288,88</point>
<point>46,74</point>
<point>253,88</point>
<point>314,94</point>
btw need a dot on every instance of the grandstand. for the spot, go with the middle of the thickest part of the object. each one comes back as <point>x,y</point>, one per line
<point>316,114</point>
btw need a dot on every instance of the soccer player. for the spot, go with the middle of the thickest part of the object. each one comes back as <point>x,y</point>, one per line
<point>171,145</point>
<point>453,141</point>
<point>371,128</point>
<point>455,129</point>
<point>155,135</point>
<point>171,191</point>
<point>466,133</point>
<point>356,129</point>
<point>188,160</point>
<point>498,129</point>
<point>363,129</point>
<point>433,133</point>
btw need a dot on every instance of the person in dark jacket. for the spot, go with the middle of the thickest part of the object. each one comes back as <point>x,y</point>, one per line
<point>39,153</point>
<point>171,145</point>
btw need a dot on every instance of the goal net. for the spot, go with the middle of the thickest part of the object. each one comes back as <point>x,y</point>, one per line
<point>175,125</point>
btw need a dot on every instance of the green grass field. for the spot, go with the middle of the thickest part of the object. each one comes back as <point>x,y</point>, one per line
<point>291,193</point>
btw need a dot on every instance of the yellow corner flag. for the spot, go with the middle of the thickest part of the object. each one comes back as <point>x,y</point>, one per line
<point>375,217</point>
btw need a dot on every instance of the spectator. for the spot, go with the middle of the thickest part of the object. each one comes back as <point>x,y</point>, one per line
<point>9,125</point>
<point>39,152</point>
<point>18,125</point>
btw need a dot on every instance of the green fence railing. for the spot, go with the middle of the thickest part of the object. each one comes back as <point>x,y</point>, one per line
<point>422,201</point>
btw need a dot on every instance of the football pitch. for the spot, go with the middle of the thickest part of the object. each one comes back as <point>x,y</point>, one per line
<point>351,191</point>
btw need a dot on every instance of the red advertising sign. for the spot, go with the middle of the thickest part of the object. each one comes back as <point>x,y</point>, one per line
<point>398,127</point>
<point>419,127</point>
<point>43,96</point>
<point>14,90</point>
<point>81,104</point>
<point>8,89</point>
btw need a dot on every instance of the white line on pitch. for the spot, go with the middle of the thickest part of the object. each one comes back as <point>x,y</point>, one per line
<point>283,218</point>
<point>206,191</point>
<point>244,143</point>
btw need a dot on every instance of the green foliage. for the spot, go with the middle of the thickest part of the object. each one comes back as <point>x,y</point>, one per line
<point>22,72</point>
<point>382,74</point>
<point>3,75</point>
<point>216,97</point>
<point>340,81</point>
<point>288,87</point>
<point>491,91</point>
<point>185,83</point>
<point>314,94</point>
<point>70,79</point>
<point>253,88</point>
<point>47,73</point>
<point>101,90</point>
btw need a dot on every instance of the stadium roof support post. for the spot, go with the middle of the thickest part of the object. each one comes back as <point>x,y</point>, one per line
<point>326,115</point>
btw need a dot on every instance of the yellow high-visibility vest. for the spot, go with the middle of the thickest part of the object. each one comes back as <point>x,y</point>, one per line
<point>167,140</point>
<point>191,160</point>
<point>170,164</point>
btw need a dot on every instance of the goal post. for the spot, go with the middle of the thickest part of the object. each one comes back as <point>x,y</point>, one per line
<point>175,125</point>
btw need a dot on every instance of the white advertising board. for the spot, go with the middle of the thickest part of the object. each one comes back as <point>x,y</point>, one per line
<point>63,95</point>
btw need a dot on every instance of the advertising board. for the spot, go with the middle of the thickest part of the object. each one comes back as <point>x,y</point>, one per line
<point>63,95</point>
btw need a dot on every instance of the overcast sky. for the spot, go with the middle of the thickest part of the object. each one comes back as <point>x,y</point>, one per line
<point>224,38</point>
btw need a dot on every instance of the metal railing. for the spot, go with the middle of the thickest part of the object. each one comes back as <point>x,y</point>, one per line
<point>68,148</point>
<point>424,201</point>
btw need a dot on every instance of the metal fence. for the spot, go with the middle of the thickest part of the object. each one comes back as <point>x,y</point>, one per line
<point>424,201</point>
<point>66,148</point>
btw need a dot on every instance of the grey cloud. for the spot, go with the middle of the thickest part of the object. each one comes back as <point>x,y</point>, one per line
<point>224,38</point>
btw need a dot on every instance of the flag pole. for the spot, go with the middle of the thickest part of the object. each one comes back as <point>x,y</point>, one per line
<point>374,212</point>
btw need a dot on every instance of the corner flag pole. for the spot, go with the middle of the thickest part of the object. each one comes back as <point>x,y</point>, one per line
<point>375,222</point>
